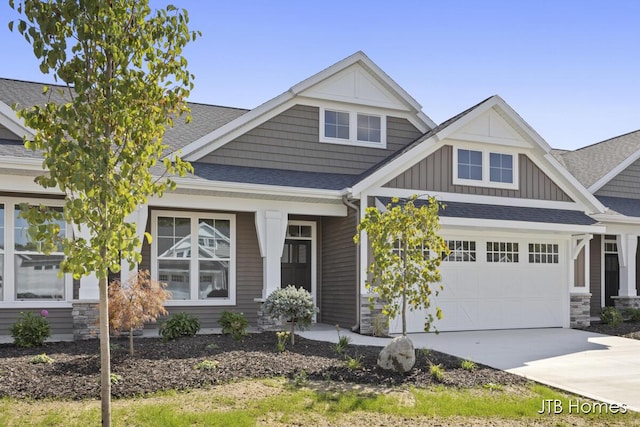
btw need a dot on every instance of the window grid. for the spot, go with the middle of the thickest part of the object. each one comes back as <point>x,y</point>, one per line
<point>470,164</point>
<point>543,253</point>
<point>460,251</point>
<point>336,124</point>
<point>502,252</point>
<point>369,128</point>
<point>501,168</point>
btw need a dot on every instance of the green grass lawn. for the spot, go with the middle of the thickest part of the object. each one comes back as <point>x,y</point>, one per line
<point>277,402</point>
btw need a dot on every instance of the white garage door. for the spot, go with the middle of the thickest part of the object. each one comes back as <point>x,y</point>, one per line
<point>499,284</point>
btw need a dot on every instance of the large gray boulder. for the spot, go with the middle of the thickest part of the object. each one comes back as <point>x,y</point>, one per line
<point>399,355</point>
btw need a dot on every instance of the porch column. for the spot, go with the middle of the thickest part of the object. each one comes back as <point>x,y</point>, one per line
<point>271,227</point>
<point>88,284</point>
<point>627,247</point>
<point>138,217</point>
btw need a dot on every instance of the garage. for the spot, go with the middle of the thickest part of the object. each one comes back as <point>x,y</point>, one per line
<point>499,283</point>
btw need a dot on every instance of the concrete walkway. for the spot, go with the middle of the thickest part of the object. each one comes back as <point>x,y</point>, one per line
<point>601,367</point>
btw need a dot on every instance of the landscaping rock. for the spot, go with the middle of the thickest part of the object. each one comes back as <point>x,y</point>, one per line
<point>398,356</point>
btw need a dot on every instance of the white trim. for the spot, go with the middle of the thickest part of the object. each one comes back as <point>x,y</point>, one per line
<point>486,167</point>
<point>353,128</point>
<point>479,199</point>
<point>248,188</point>
<point>524,226</point>
<point>219,137</point>
<point>243,204</point>
<point>616,219</point>
<point>8,297</point>
<point>193,267</point>
<point>10,120</point>
<point>540,150</point>
<point>614,172</point>
<point>314,254</point>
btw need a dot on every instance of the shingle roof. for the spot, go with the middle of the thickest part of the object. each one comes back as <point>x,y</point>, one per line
<point>507,213</point>
<point>279,177</point>
<point>420,139</point>
<point>205,118</point>
<point>591,163</point>
<point>13,148</point>
<point>623,206</point>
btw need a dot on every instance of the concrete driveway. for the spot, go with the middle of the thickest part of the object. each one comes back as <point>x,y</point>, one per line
<point>601,367</point>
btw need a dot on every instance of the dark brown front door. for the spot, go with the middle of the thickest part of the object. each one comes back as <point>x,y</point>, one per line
<point>611,278</point>
<point>296,263</point>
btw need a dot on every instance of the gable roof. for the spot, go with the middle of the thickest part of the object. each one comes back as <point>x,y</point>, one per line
<point>206,118</point>
<point>219,137</point>
<point>597,164</point>
<point>430,142</point>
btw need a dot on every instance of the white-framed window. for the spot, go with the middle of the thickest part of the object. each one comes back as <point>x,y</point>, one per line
<point>543,253</point>
<point>502,252</point>
<point>486,168</point>
<point>194,253</point>
<point>26,273</point>
<point>460,251</point>
<point>353,127</point>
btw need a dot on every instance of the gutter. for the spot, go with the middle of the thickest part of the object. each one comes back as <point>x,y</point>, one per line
<point>349,204</point>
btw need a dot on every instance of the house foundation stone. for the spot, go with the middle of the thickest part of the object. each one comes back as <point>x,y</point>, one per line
<point>86,316</point>
<point>579,312</point>
<point>372,321</point>
<point>268,323</point>
<point>624,303</point>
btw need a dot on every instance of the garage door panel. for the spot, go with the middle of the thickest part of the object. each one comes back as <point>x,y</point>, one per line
<point>484,295</point>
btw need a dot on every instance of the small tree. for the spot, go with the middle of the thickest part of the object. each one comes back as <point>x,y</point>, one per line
<point>139,301</point>
<point>407,252</point>
<point>125,81</point>
<point>293,305</point>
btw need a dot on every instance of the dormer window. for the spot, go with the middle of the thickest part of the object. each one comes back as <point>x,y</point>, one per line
<point>486,168</point>
<point>352,128</point>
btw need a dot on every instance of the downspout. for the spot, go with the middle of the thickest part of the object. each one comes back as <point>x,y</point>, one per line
<point>350,204</point>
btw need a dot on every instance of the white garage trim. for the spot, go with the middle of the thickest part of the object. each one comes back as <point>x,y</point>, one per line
<point>501,295</point>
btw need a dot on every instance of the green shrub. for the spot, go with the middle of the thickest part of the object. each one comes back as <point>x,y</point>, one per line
<point>114,378</point>
<point>179,325</point>
<point>234,324</point>
<point>293,305</point>
<point>437,372</point>
<point>41,358</point>
<point>611,316</point>
<point>282,337</point>
<point>633,314</point>
<point>207,365</point>
<point>353,363</point>
<point>468,365</point>
<point>30,330</point>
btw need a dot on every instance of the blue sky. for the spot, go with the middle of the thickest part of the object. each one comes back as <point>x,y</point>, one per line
<point>571,69</point>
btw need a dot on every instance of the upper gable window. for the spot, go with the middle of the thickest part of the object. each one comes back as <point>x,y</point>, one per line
<point>352,128</point>
<point>485,168</point>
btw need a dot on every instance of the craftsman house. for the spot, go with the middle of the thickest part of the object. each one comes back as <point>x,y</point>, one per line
<point>538,237</point>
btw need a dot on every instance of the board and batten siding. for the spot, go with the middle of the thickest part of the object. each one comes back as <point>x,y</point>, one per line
<point>595,274</point>
<point>290,141</point>
<point>7,134</point>
<point>248,276</point>
<point>60,320</point>
<point>339,288</point>
<point>435,174</point>
<point>625,184</point>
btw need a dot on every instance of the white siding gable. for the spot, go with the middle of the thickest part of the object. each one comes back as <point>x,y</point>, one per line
<point>490,128</point>
<point>355,85</point>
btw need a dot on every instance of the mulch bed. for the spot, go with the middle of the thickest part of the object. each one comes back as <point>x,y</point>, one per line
<point>158,366</point>
<point>627,329</point>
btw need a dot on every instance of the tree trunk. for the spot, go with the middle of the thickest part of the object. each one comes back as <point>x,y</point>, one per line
<point>293,336</point>
<point>105,354</point>
<point>131,341</point>
<point>404,287</point>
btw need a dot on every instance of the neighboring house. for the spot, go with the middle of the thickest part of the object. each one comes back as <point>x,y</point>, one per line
<point>277,193</point>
